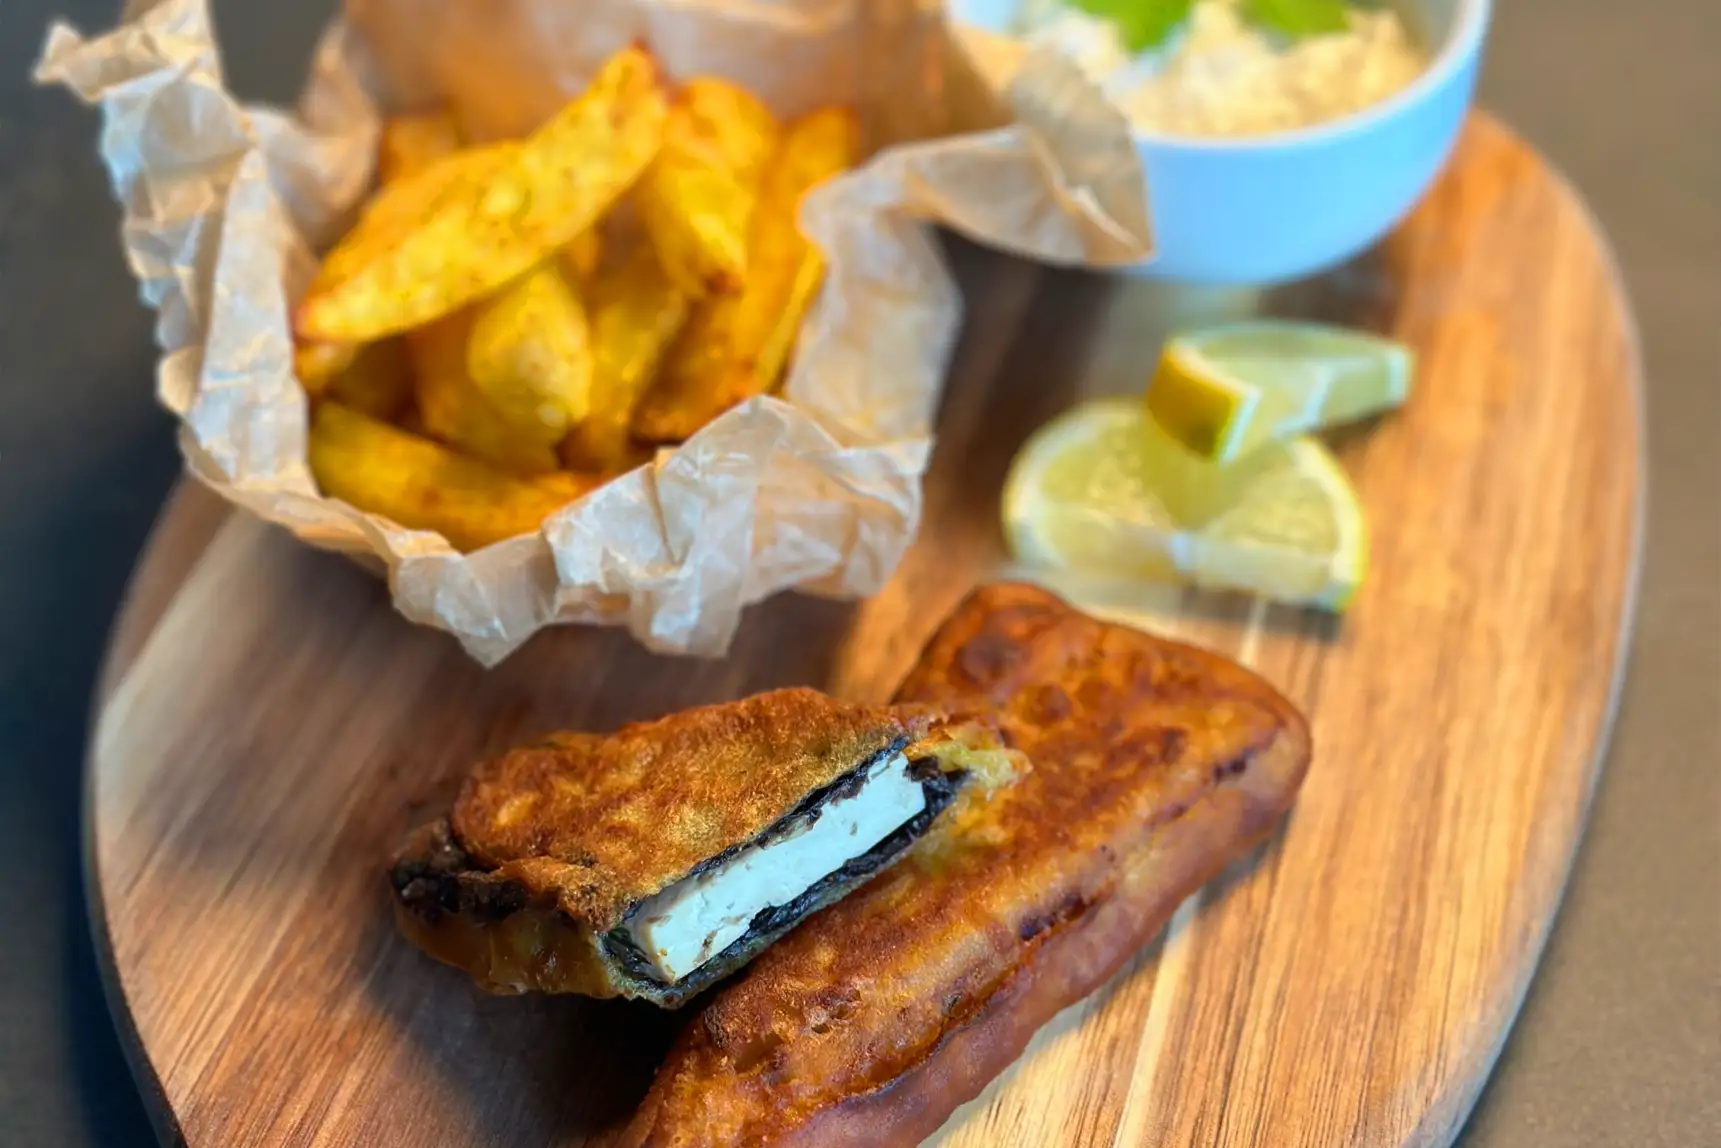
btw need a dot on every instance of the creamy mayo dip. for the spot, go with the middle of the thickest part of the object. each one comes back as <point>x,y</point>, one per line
<point>1220,75</point>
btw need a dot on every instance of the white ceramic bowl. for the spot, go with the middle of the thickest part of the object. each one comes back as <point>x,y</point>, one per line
<point>1265,209</point>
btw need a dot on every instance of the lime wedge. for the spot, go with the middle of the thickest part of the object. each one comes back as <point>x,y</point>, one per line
<point>1225,391</point>
<point>1103,490</point>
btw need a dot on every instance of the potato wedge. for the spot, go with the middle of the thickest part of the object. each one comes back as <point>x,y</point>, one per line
<point>781,330</point>
<point>412,143</point>
<point>377,382</point>
<point>684,395</point>
<point>736,346</point>
<point>636,313</point>
<point>789,270</point>
<point>422,485</point>
<point>400,209</point>
<point>697,219</point>
<point>530,353</point>
<point>454,410</point>
<point>582,258</point>
<point>316,365</point>
<point>463,227</point>
<point>697,197</point>
<point>726,123</point>
<point>409,145</point>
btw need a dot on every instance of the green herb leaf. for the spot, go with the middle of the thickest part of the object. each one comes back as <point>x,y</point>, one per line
<point>1143,24</point>
<point>1298,18</point>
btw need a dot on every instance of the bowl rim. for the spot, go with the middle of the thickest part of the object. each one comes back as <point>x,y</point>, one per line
<point>1462,43</point>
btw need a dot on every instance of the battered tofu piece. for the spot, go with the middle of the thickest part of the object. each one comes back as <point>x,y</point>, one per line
<point>1154,766</point>
<point>653,861</point>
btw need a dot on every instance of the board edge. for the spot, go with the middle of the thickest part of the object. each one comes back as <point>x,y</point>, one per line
<point>1444,1129</point>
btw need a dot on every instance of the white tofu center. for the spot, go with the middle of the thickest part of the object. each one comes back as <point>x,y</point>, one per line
<point>692,921</point>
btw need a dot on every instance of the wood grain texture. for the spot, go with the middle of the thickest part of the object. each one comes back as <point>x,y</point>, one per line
<point>269,729</point>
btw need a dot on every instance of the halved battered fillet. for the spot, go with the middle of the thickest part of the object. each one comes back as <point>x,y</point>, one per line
<point>653,861</point>
<point>1154,765</point>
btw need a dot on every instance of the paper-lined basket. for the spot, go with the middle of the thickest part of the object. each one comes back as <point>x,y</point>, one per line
<point>225,205</point>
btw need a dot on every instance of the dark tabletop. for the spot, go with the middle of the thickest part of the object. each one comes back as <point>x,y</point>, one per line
<point>1620,1041</point>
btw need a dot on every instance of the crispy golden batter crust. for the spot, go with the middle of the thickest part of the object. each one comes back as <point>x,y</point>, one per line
<point>606,821</point>
<point>1154,764</point>
<point>549,846</point>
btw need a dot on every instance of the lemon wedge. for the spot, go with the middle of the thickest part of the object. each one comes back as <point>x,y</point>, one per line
<point>1225,391</point>
<point>1104,490</point>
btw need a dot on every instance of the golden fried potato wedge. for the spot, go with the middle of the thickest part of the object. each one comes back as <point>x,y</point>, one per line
<point>530,353</point>
<point>316,365</point>
<point>432,242</point>
<point>697,197</point>
<point>409,145</point>
<point>377,382</point>
<point>788,269</point>
<point>684,395</point>
<point>582,258</point>
<point>454,410</point>
<point>401,208</point>
<point>412,143</point>
<point>728,124</point>
<point>422,485</point>
<point>736,346</point>
<point>636,313</point>
<point>697,219</point>
<point>781,330</point>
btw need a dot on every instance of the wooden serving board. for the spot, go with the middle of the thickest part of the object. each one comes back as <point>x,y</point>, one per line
<point>268,728</point>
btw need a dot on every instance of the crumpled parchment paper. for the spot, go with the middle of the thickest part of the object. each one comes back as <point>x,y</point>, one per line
<point>225,205</point>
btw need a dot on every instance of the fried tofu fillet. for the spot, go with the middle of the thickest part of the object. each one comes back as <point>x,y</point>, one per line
<point>655,860</point>
<point>1154,765</point>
